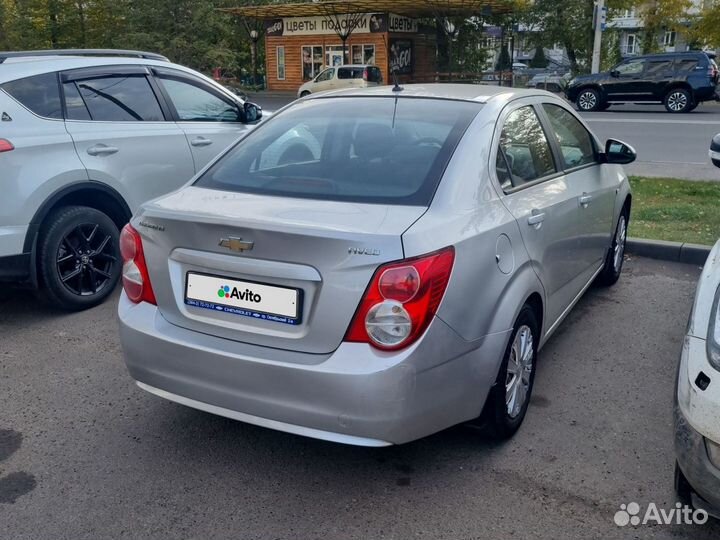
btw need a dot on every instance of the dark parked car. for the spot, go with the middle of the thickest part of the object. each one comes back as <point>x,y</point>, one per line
<point>681,81</point>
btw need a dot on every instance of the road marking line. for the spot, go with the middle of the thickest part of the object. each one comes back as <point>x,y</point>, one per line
<point>647,121</point>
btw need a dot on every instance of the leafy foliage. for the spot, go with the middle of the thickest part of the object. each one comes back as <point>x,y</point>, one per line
<point>190,32</point>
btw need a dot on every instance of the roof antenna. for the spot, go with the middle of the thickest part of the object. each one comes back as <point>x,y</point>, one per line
<point>397,87</point>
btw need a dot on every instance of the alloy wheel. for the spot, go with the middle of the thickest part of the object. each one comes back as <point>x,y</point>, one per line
<point>677,101</point>
<point>86,259</point>
<point>519,371</point>
<point>620,240</point>
<point>587,101</point>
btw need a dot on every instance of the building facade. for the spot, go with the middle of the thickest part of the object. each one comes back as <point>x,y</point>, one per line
<point>298,49</point>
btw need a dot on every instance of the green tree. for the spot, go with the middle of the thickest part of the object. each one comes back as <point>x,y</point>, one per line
<point>570,25</point>
<point>659,16</point>
<point>539,60</point>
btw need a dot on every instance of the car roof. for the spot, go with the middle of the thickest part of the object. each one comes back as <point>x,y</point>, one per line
<point>18,68</point>
<point>686,54</point>
<point>459,92</point>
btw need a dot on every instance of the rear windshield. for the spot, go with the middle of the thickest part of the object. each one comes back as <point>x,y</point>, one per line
<point>375,150</point>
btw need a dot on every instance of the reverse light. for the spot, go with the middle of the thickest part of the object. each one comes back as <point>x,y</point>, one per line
<point>135,277</point>
<point>401,300</point>
<point>6,146</point>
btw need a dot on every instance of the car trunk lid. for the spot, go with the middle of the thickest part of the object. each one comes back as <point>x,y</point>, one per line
<point>267,246</point>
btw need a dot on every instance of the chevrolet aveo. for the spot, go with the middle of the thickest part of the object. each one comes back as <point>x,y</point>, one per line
<point>375,265</point>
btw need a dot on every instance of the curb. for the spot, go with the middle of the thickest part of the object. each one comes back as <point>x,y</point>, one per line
<point>669,251</point>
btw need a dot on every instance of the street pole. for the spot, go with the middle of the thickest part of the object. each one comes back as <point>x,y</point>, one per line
<point>597,44</point>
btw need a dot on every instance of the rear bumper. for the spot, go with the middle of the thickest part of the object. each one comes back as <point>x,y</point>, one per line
<point>355,395</point>
<point>705,93</point>
<point>693,408</point>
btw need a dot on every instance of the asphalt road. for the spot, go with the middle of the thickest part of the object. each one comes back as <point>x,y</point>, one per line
<point>85,454</point>
<point>667,145</point>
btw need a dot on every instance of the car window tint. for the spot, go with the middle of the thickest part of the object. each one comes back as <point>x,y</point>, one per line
<point>125,98</point>
<point>574,140</point>
<point>526,147</point>
<point>74,105</point>
<point>631,67</point>
<point>350,73</point>
<point>194,104</point>
<point>658,67</point>
<point>373,150</point>
<point>374,75</point>
<point>39,93</point>
<point>685,64</point>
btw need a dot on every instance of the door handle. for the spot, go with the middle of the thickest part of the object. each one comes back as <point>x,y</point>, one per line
<point>585,200</point>
<point>102,150</point>
<point>201,141</point>
<point>536,219</point>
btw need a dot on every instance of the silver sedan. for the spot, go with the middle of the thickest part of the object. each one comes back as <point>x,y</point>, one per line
<point>373,266</point>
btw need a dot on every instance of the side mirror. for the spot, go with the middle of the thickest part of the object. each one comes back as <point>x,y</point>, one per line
<point>715,150</point>
<point>251,112</point>
<point>619,153</point>
<point>615,73</point>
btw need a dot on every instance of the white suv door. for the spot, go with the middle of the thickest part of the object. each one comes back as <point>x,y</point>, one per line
<point>210,119</point>
<point>122,133</point>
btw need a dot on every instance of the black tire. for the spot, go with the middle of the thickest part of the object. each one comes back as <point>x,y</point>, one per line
<point>78,268</point>
<point>604,106</point>
<point>588,100</point>
<point>304,93</point>
<point>496,418</point>
<point>678,100</point>
<point>693,107</point>
<point>615,257</point>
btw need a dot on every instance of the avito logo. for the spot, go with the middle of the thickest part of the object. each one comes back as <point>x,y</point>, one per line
<point>232,292</point>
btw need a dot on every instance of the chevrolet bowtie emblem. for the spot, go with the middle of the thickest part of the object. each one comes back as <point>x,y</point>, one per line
<point>236,244</point>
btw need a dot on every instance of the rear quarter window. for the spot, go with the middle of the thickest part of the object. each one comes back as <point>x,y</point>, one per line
<point>361,149</point>
<point>39,93</point>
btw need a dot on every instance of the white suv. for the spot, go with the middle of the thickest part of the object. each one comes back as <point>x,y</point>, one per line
<point>85,138</point>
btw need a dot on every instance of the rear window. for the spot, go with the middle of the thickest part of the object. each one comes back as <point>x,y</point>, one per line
<point>40,94</point>
<point>373,150</point>
<point>350,73</point>
<point>375,75</point>
<point>685,64</point>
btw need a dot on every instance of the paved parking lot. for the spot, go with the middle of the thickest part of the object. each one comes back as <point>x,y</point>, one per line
<point>85,454</point>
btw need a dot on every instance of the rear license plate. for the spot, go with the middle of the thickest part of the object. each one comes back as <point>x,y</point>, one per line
<point>247,298</point>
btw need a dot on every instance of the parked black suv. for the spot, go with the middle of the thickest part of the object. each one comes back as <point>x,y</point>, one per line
<point>681,81</point>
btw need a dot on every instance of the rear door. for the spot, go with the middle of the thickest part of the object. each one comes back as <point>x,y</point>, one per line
<point>587,179</point>
<point>658,73</point>
<point>209,118</point>
<point>122,132</point>
<point>544,203</point>
<point>350,77</point>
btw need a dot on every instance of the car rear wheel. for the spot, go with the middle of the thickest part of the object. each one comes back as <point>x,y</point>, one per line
<point>509,398</point>
<point>588,100</point>
<point>78,257</point>
<point>678,100</point>
<point>682,486</point>
<point>304,93</point>
<point>616,254</point>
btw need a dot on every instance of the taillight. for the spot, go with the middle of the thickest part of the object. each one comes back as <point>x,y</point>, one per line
<point>6,146</point>
<point>365,74</point>
<point>135,277</point>
<point>401,300</point>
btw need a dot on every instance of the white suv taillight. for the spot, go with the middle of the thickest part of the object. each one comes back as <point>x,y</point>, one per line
<point>135,277</point>
<point>401,301</point>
